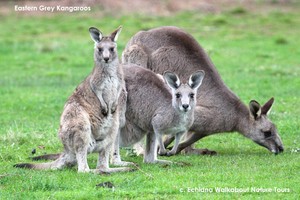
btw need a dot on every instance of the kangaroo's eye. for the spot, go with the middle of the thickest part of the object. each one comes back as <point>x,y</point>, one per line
<point>192,95</point>
<point>267,134</point>
<point>111,49</point>
<point>178,95</point>
<point>100,49</point>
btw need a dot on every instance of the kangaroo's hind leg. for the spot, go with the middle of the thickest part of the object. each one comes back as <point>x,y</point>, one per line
<point>177,140</point>
<point>168,140</point>
<point>105,148</point>
<point>78,143</point>
<point>66,159</point>
<point>151,150</point>
<point>103,163</point>
<point>116,157</point>
<point>162,150</point>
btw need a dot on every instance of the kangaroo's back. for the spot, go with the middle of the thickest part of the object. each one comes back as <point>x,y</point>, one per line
<point>186,58</point>
<point>145,92</point>
<point>170,48</point>
<point>218,109</point>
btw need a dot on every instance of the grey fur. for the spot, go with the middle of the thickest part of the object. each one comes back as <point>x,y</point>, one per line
<point>218,109</point>
<point>92,114</point>
<point>154,110</point>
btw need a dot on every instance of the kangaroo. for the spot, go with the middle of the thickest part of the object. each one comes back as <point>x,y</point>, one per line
<point>91,116</point>
<point>154,110</point>
<point>218,109</point>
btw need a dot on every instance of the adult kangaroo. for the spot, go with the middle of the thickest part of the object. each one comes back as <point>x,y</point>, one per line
<point>91,116</point>
<point>218,108</point>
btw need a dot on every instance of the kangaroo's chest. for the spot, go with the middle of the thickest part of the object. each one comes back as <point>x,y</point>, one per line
<point>176,125</point>
<point>175,129</point>
<point>109,89</point>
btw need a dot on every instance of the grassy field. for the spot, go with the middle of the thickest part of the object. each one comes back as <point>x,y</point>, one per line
<point>43,59</point>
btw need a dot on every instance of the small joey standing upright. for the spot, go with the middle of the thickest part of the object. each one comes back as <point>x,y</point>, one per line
<point>166,108</point>
<point>183,103</point>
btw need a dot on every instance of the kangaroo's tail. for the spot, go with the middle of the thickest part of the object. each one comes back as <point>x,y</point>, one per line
<point>59,163</point>
<point>47,157</point>
<point>50,165</point>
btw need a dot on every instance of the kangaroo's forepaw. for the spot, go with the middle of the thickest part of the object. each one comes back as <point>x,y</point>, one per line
<point>162,152</point>
<point>170,153</point>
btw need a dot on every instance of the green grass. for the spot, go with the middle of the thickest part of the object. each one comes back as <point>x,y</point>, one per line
<point>44,58</point>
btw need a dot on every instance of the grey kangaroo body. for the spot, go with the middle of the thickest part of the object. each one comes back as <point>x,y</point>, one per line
<point>155,107</point>
<point>91,116</point>
<point>218,109</point>
<point>154,110</point>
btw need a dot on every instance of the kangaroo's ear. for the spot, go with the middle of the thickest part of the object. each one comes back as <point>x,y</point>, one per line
<point>171,79</point>
<point>196,78</point>
<point>266,108</point>
<point>255,108</point>
<point>160,77</point>
<point>96,35</point>
<point>114,36</point>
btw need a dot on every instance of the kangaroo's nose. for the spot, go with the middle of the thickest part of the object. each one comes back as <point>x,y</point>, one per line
<point>281,149</point>
<point>185,106</point>
<point>106,59</point>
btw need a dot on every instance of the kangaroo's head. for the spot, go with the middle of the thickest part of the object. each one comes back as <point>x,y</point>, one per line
<point>184,94</point>
<point>105,46</point>
<point>261,129</point>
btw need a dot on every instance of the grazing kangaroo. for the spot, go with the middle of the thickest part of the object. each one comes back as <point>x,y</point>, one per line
<point>218,109</point>
<point>154,109</point>
<point>91,116</point>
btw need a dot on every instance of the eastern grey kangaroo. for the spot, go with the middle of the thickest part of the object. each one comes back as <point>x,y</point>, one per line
<point>153,110</point>
<point>218,109</point>
<point>90,119</point>
<point>155,106</point>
